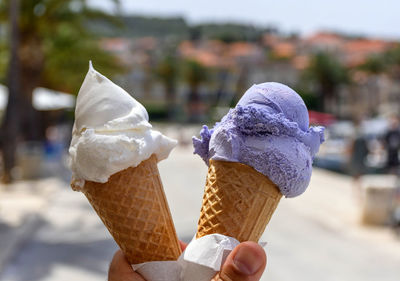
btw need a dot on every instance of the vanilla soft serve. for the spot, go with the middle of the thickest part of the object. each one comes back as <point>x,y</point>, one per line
<point>111,132</point>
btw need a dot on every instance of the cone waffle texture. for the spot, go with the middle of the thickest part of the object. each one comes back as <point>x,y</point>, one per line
<point>238,201</point>
<point>133,206</point>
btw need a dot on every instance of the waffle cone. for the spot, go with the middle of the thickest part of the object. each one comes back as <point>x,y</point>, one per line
<point>133,206</point>
<point>238,201</point>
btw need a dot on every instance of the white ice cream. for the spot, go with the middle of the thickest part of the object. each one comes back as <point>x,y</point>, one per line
<point>111,132</point>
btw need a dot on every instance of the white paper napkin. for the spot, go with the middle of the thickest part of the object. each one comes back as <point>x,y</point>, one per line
<point>201,260</point>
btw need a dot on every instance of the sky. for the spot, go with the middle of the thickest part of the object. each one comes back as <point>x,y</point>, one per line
<point>376,18</point>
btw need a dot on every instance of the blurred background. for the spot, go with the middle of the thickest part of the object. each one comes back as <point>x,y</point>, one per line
<point>188,63</point>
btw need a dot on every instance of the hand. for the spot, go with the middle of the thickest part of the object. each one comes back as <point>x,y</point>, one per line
<point>246,263</point>
<point>121,270</point>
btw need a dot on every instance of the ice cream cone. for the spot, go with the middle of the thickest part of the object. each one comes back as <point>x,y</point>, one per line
<point>238,201</point>
<point>133,206</point>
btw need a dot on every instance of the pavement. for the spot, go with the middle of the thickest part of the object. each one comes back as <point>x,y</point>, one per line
<point>49,232</point>
<point>21,206</point>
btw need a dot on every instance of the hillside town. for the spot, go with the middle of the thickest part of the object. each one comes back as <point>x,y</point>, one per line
<point>365,87</point>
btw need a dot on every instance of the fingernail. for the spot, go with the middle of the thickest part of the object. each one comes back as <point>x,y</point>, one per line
<point>246,261</point>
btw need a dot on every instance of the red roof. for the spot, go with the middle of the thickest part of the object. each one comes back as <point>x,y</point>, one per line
<point>325,38</point>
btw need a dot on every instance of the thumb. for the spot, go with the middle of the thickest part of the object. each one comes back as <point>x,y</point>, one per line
<point>120,269</point>
<point>246,263</point>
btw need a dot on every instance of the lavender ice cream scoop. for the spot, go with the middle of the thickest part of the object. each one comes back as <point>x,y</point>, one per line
<point>269,131</point>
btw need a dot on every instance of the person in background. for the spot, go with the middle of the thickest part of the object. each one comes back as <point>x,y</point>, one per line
<point>358,156</point>
<point>392,144</point>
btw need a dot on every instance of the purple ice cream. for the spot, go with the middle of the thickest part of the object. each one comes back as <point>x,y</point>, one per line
<point>269,131</point>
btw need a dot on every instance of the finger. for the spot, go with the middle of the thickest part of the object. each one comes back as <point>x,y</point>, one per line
<point>121,270</point>
<point>183,245</point>
<point>246,263</point>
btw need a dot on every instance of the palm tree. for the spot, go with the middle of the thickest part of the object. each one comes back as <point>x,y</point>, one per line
<point>53,50</point>
<point>167,72</point>
<point>392,58</point>
<point>9,131</point>
<point>194,74</point>
<point>326,74</point>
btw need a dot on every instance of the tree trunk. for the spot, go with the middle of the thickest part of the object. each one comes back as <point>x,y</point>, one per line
<point>24,71</point>
<point>328,93</point>
<point>32,64</point>
<point>194,104</point>
<point>170,92</point>
<point>10,126</point>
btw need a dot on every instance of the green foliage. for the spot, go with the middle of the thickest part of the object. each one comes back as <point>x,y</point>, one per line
<point>167,70</point>
<point>386,62</point>
<point>374,64</point>
<point>229,32</point>
<point>4,57</point>
<point>140,26</point>
<point>309,98</point>
<point>194,73</point>
<point>176,27</point>
<point>326,72</point>
<point>392,56</point>
<point>322,79</point>
<point>56,29</point>
<point>157,112</point>
<point>273,57</point>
